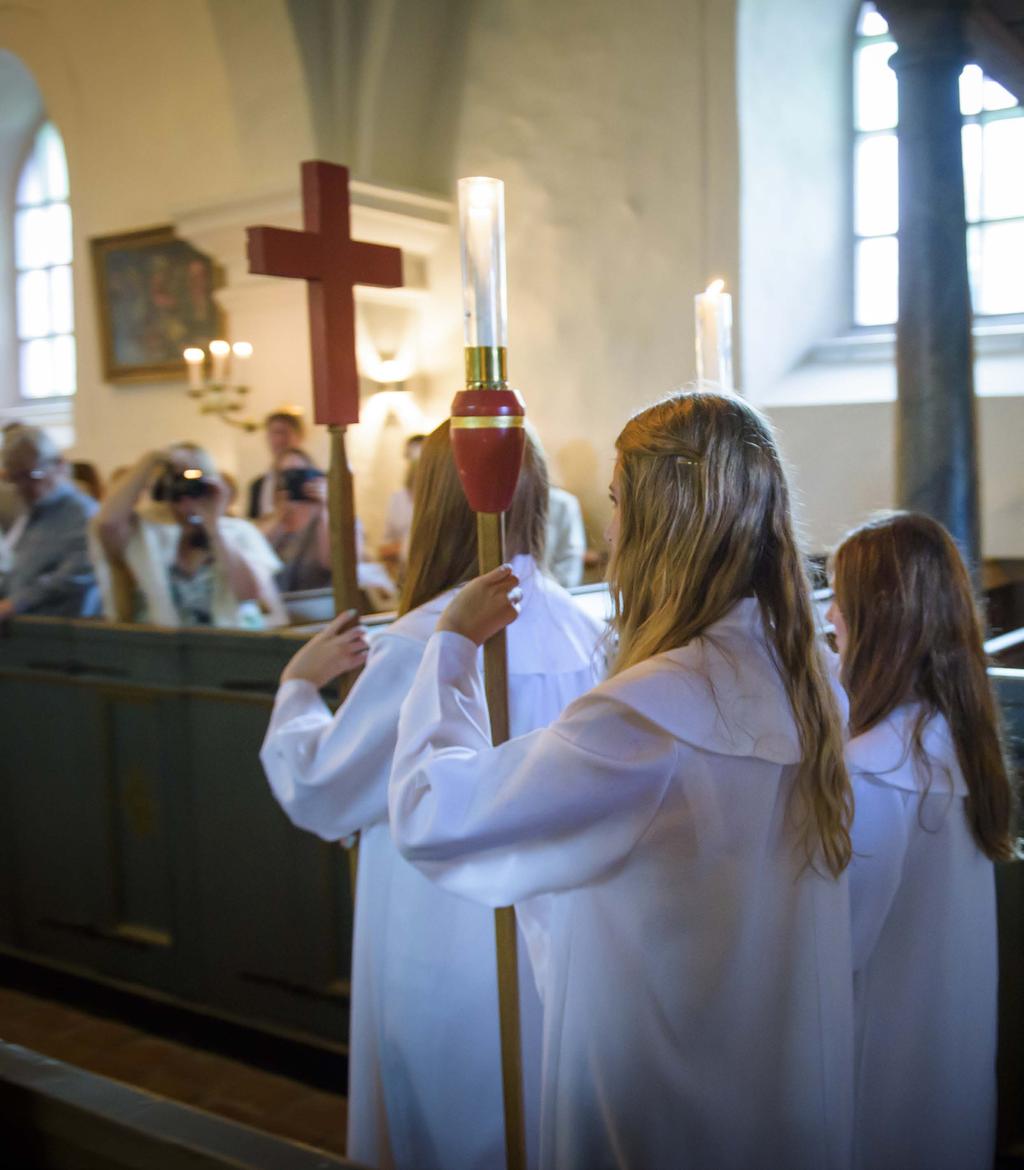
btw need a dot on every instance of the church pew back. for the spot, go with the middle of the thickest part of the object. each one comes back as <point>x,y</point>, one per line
<point>56,1117</point>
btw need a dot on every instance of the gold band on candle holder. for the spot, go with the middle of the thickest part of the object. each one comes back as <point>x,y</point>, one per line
<point>486,365</point>
<point>499,421</point>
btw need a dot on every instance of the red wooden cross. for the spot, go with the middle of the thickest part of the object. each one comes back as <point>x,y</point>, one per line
<point>333,263</point>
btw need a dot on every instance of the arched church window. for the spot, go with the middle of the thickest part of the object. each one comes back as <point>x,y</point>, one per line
<point>993,150</point>
<point>42,259</point>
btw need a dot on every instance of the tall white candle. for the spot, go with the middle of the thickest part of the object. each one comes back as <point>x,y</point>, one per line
<point>220,352</point>
<point>482,230</point>
<point>194,358</point>
<point>713,313</point>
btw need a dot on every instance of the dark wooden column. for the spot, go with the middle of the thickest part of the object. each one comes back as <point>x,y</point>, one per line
<point>936,429</point>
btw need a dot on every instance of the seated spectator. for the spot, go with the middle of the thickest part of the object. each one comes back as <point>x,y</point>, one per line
<point>180,561</point>
<point>284,430</point>
<point>567,538</point>
<point>298,528</point>
<point>49,571</point>
<point>299,531</point>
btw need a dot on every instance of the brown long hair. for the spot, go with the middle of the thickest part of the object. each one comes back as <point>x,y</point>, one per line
<point>914,634</point>
<point>704,520</point>
<point>442,543</point>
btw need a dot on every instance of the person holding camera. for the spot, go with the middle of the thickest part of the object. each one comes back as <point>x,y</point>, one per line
<point>176,559</point>
<point>298,528</point>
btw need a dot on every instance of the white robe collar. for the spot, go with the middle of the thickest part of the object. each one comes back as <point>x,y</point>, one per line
<point>530,649</point>
<point>721,693</point>
<point>886,752</point>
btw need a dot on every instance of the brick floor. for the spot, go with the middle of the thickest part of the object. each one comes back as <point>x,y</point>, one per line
<point>205,1080</point>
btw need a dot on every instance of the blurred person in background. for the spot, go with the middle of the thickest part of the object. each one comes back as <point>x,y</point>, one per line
<point>284,430</point>
<point>166,553</point>
<point>46,549</point>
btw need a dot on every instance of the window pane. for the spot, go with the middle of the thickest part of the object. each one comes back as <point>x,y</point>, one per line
<point>970,139</point>
<point>974,266</point>
<point>997,98</point>
<point>876,207</point>
<point>876,272</point>
<point>54,162</point>
<point>30,183</point>
<point>58,233</point>
<point>876,101</point>
<point>36,369</point>
<point>1003,178</point>
<point>34,305</point>
<point>31,246</point>
<point>972,82</point>
<point>1002,268</point>
<point>870,22</point>
<point>61,300</point>
<point>63,355</point>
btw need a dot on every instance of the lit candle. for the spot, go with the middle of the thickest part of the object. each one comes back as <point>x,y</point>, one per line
<point>194,357</point>
<point>482,228</point>
<point>242,350</point>
<point>713,311</point>
<point>220,351</point>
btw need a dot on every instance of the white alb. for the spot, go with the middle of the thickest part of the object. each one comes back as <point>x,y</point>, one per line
<point>425,1088</point>
<point>696,984</point>
<point>925,961</point>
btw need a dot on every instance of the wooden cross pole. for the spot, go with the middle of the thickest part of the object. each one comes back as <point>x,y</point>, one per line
<point>326,256</point>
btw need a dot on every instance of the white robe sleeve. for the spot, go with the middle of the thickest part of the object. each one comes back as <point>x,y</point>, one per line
<point>330,773</point>
<point>544,812</point>
<point>879,848</point>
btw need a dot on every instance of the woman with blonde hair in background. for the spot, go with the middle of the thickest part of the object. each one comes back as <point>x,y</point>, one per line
<point>688,819</point>
<point>424,1063</point>
<point>934,808</point>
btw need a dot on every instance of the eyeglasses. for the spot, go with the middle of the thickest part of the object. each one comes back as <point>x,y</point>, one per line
<point>33,474</point>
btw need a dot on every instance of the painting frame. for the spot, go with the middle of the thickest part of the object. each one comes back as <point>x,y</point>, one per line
<point>154,297</point>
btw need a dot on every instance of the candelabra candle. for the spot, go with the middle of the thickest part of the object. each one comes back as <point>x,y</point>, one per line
<point>220,353</point>
<point>485,303</point>
<point>219,395</point>
<point>713,312</point>
<point>194,357</point>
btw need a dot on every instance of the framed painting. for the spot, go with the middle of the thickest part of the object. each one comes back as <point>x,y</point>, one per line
<point>154,293</point>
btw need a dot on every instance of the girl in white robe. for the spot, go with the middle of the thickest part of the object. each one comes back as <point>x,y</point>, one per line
<point>425,1073</point>
<point>932,812</point>
<point>688,820</point>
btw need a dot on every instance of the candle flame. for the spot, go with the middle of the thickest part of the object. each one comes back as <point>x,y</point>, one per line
<point>242,349</point>
<point>193,355</point>
<point>713,289</point>
<point>483,194</point>
<point>220,348</point>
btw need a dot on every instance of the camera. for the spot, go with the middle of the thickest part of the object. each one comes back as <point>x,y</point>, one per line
<point>180,485</point>
<point>294,479</point>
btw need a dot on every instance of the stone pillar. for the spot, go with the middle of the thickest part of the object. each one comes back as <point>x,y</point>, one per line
<point>936,429</point>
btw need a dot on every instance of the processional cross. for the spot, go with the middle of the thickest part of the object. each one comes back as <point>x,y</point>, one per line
<point>326,256</point>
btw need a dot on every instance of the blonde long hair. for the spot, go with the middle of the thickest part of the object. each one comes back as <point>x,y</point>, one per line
<point>442,543</point>
<point>914,634</point>
<point>704,520</point>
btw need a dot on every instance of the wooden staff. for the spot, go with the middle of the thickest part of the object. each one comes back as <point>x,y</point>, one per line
<point>487,443</point>
<point>342,512</point>
<point>490,535</point>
